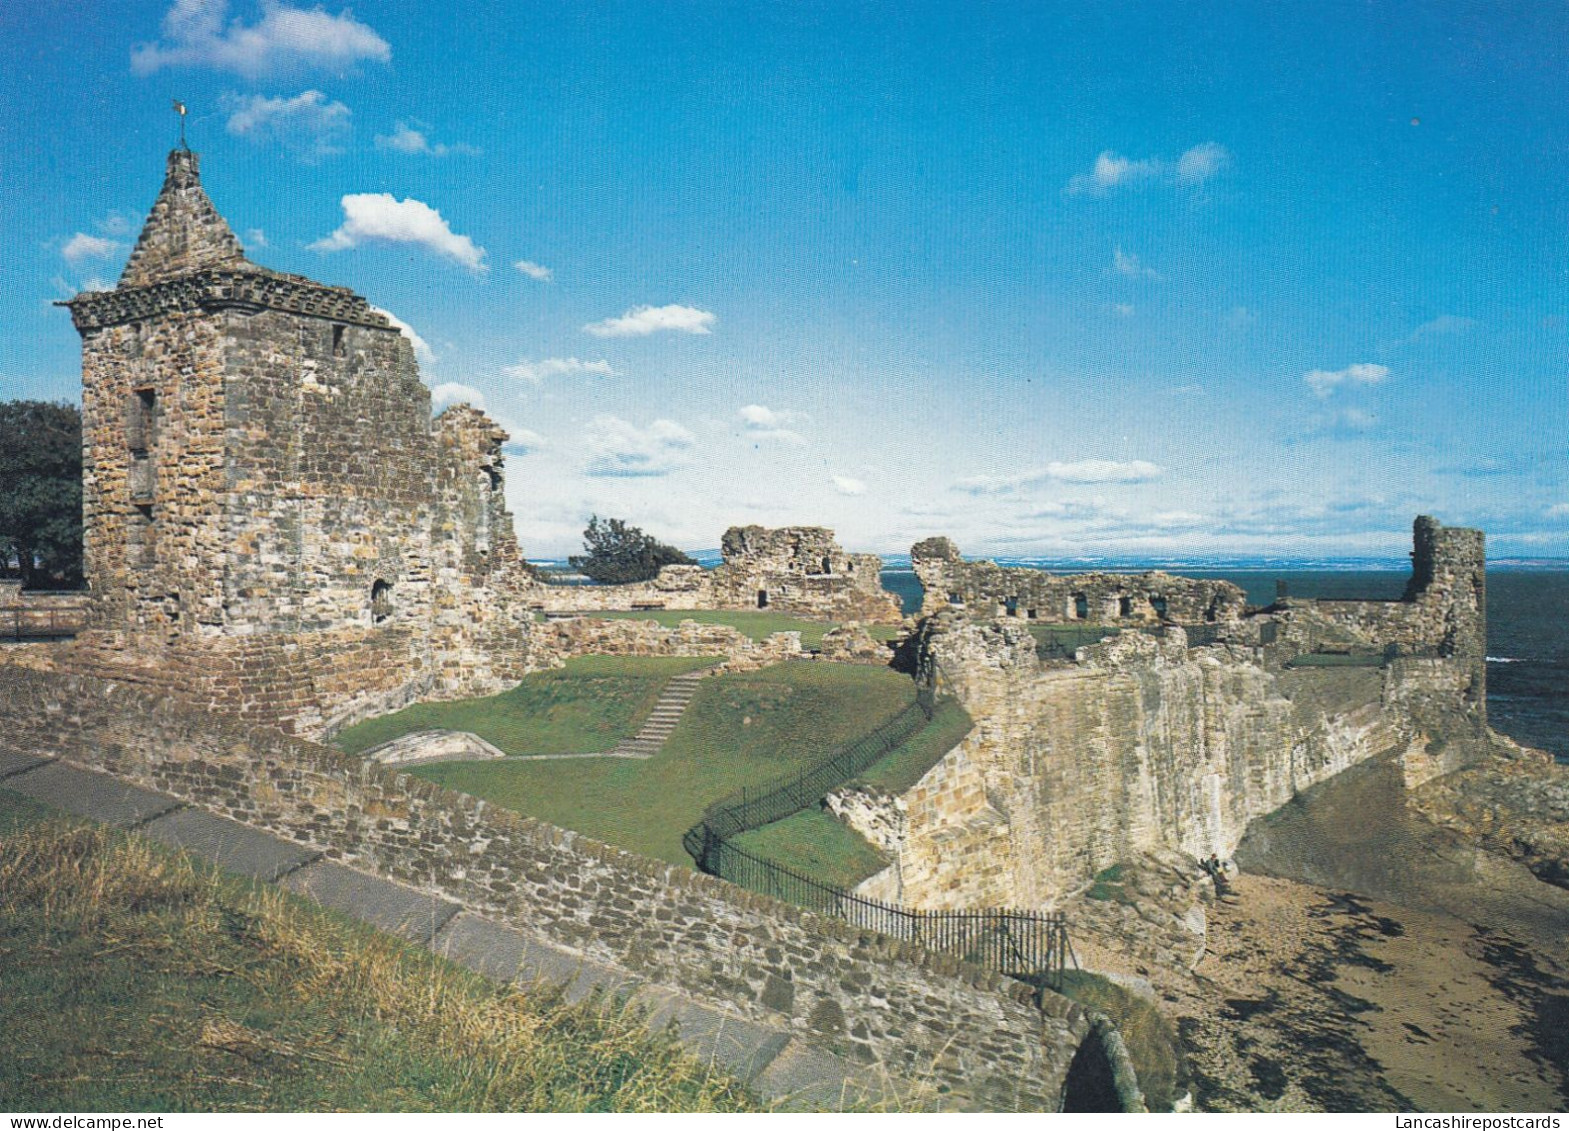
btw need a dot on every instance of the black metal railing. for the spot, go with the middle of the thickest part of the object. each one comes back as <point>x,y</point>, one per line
<point>756,806</point>
<point>1029,945</point>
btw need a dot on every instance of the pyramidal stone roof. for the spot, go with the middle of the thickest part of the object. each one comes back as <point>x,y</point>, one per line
<point>184,232</point>
<point>188,258</point>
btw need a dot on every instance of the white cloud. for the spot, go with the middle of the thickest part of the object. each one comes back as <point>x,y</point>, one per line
<point>1123,309</point>
<point>1103,471</point>
<point>1080,471</point>
<point>846,485</point>
<point>520,441</point>
<point>83,246</point>
<point>1323,382</point>
<point>1112,170</point>
<point>255,238</point>
<point>1558,510</point>
<point>309,124</point>
<point>534,270</point>
<point>620,449</point>
<point>198,33</point>
<point>537,371</point>
<point>1126,263</point>
<point>371,216</point>
<point>405,138</point>
<point>643,320</point>
<point>759,422</point>
<point>1356,419</point>
<point>1202,162</point>
<point>115,224</point>
<point>451,393</point>
<point>422,350</point>
<point>1443,324</point>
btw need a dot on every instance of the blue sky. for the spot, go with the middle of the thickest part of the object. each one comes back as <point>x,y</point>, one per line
<point>1113,279</point>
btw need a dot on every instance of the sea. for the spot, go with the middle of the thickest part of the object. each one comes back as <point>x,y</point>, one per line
<point>1527,630</point>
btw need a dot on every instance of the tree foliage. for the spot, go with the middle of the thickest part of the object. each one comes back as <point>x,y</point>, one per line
<point>41,493</point>
<point>618,553</point>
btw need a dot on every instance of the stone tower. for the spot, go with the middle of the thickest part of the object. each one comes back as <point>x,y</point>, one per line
<point>262,475</point>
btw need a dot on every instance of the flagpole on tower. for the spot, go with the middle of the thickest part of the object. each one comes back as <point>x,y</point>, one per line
<point>179,108</point>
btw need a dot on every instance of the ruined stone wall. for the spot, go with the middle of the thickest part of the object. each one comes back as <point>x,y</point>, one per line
<point>330,469</point>
<point>1145,746</point>
<point>985,589</point>
<point>587,636</point>
<point>796,570</point>
<point>972,1034</point>
<point>1443,612</point>
<point>153,467</point>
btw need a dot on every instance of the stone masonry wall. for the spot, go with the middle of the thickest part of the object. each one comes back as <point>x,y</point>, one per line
<point>795,570</point>
<point>1146,746</point>
<point>274,525</point>
<point>874,1000</point>
<point>985,589</point>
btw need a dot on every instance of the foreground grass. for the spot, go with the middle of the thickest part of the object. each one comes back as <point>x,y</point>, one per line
<point>1152,1043</point>
<point>742,729</point>
<point>132,980</point>
<point>584,708</point>
<point>756,625</point>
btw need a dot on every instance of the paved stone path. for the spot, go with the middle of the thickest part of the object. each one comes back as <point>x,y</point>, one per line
<point>778,1065</point>
<point>661,722</point>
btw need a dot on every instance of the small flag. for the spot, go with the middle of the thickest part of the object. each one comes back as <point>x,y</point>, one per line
<point>179,107</point>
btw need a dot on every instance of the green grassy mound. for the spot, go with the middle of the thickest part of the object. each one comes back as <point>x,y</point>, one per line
<point>584,708</point>
<point>755,625</point>
<point>815,843</point>
<point>741,729</point>
<point>133,980</point>
<point>900,769</point>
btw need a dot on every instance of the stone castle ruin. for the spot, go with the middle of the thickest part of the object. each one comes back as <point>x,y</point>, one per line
<point>274,523</point>
<point>1195,716</point>
<point>280,536</point>
<point>276,526</point>
<point>796,570</point>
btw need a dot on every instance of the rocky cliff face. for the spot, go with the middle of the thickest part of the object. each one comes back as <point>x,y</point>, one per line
<point>1142,745</point>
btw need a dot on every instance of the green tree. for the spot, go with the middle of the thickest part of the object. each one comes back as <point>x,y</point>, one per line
<point>41,493</point>
<point>618,553</point>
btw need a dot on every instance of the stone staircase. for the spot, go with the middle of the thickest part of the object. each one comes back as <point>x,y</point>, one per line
<point>661,722</point>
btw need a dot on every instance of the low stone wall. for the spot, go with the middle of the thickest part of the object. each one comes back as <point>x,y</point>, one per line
<point>969,1033</point>
<point>595,636</point>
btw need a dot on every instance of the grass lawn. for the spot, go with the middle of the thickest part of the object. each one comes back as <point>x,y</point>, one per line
<point>900,769</point>
<point>742,728</point>
<point>132,979</point>
<point>755,625</point>
<point>584,708</point>
<point>815,843</point>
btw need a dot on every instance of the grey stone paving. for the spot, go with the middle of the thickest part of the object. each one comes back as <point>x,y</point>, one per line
<point>390,907</point>
<point>228,844</point>
<point>90,794</point>
<point>12,762</point>
<point>741,1047</point>
<point>767,1058</point>
<point>482,946</point>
